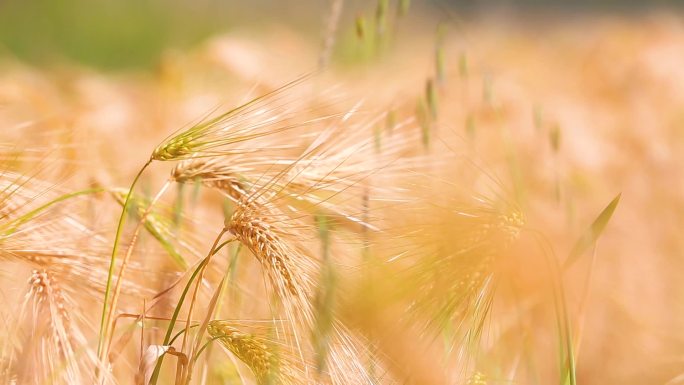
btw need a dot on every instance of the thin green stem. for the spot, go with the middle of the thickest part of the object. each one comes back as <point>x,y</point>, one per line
<point>195,292</point>
<point>567,364</point>
<point>174,317</point>
<point>127,256</point>
<point>206,345</point>
<point>180,333</point>
<point>112,262</point>
<point>176,311</point>
<point>203,327</point>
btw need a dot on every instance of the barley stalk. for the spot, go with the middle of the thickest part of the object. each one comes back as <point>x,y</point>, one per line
<point>119,228</point>
<point>124,264</point>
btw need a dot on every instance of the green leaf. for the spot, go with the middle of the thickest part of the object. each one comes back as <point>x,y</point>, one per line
<point>18,222</point>
<point>590,236</point>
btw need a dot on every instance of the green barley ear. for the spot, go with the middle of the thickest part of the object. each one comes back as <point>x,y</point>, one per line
<point>225,133</point>
<point>178,147</point>
<point>251,349</point>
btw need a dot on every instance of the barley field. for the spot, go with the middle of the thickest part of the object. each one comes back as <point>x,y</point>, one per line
<point>341,192</point>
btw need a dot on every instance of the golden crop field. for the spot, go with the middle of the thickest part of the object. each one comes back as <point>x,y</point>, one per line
<point>341,192</point>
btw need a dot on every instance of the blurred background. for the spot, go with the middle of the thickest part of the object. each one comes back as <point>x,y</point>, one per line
<point>570,103</point>
<point>129,34</point>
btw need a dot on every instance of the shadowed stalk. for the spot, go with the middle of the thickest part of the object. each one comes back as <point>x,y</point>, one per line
<point>112,262</point>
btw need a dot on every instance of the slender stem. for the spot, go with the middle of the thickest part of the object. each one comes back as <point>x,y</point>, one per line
<point>124,263</point>
<point>567,360</point>
<point>230,272</point>
<point>179,305</point>
<point>206,345</point>
<point>197,285</point>
<point>180,333</point>
<point>141,319</point>
<point>203,326</point>
<point>112,262</point>
<point>167,338</point>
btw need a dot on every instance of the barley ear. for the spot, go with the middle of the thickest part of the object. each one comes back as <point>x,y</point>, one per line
<point>248,348</point>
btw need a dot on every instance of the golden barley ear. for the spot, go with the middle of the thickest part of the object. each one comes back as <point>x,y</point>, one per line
<point>56,347</point>
<point>275,239</point>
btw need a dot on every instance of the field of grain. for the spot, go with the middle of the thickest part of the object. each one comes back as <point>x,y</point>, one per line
<point>382,192</point>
